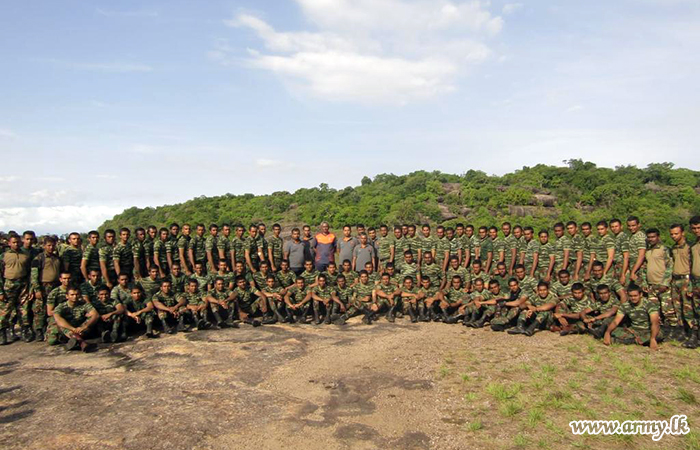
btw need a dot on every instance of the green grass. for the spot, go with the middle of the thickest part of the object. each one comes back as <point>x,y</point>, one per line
<point>686,396</point>
<point>687,373</point>
<point>464,377</point>
<point>691,441</point>
<point>502,392</point>
<point>470,397</point>
<point>534,417</point>
<point>444,371</point>
<point>510,408</point>
<point>474,425</point>
<point>520,440</point>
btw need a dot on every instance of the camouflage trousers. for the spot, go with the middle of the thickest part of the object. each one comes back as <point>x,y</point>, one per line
<point>146,318</point>
<point>576,323</point>
<point>543,318</point>
<point>629,335</point>
<point>165,315</point>
<point>684,296</point>
<point>56,334</point>
<point>485,310</point>
<point>670,311</point>
<point>34,310</point>
<point>505,316</point>
<point>14,290</point>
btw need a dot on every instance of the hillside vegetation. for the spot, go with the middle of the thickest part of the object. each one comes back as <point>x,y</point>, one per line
<point>660,194</point>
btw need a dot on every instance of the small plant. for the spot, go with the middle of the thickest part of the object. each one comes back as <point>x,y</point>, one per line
<point>686,396</point>
<point>474,425</point>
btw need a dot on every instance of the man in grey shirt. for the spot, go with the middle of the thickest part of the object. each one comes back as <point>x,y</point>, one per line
<point>362,254</point>
<point>346,245</point>
<point>294,252</point>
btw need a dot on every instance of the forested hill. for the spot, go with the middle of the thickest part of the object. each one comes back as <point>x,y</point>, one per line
<point>660,194</point>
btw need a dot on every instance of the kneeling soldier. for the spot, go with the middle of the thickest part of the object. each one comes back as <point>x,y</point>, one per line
<point>569,312</point>
<point>139,310</point>
<point>111,311</point>
<point>170,308</point>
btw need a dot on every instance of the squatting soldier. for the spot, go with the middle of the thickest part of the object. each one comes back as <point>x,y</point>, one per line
<point>170,308</point>
<point>110,325</point>
<point>46,268</point>
<point>274,295</point>
<point>562,287</point>
<point>429,296</point>
<point>644,323</point>
<point>384,296</point>
<point>601,311</point>
<point>177,278</point>
<point>322,295</point>
<point>598,278</point>
<point>286,277</point>
<point>248,302</point>
<point>345,295</point>
<point>15,270</point>
<point>455,269</point>
<point>485,304</point>
<point>195,303</point>
<point>537,311</point>
<point>297,300</point>
<point>73,322</point>
<point>659,267</point>
<point>410,298</point>
<point>568,312</point>
<point>363,296</point>
<point>454,300</point>
<point>139,311</point>
<point>507,311</point>
<point>474,303</point>
<point>224,274</point>
<point>220,297</point>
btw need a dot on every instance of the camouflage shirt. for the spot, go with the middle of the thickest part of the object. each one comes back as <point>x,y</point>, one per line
<point>562,291</point>
<point>74,315</point>
<point>89,291</point>
<point>220,295</point>
<point>178,283</point>
<point>324,293</point>
<point>120,295</point>
<point>383,245</point>
<point>602,245</point>
<point>72,257</point>
<point>363,290</point>
<point>432,271</point>
<point>640,314</point>
<point>183,242</point>
<point>310,277</point>
<point>576,306</point>
<point>622,245</point>
<point>197,244</point>
<point>545,252</point>
<point>297,295</point>
<point>409,270</point>
<point>56,296</point>
<point>160,253</point>
<point>636,242</point>
<point>238,246</point>
<point>211,245</point>
<point>275,243</point>
<point>92,256</point>
<point>459,296</point>
<point>124,255</point>
<point>461,272</point>
<point>246,296</point>
<point>442,245</point>
<point>202,282</point>
<point>149,286</point>
<point>168,300</point>
<point>611,282</point>
<point>107,256</point>
<point>191,299</point>
<point>536,300</point>
<point>563,244</point>
<point>286,279</point>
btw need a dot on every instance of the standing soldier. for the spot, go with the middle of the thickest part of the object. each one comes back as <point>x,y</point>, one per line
<point>576,266</point>
<point>72,256</point>
<point>543,262</point>
<point>123,255</point>
<point>383,246</point>
<point>275,247</point>
<point>151,236</point>
<point>160,256</point>
<point>466,244</point>
<point>183,249</point>
<point>499,248</point>
<point>604,250</point>
<point>680,279</point>
<point>212,249</point>
<point>106,253</point>
<point>622,250</point>
<point>637,247</point>
<point>562,249</point>
<point>138,249</point>
<point>589,243</point>
<point>45,271</point>
<point>532,246</point>
<point>510,245</point>
<point>15,272</point>
<point>485,249</point>
<point>197,249</point>
<point>237,246</point>
<point>693,296</point>
<point>659,268</point>
<point>224,245</point>
<point>474,244</point>
<point>91,255</point>
<point>253,252</point>
<point>442,248</point>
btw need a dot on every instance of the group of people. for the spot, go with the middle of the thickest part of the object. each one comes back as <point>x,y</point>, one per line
<point>612,280</point>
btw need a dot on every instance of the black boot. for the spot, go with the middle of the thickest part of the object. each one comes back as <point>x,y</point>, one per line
<point>167,328</point>
<point>304,314</point>
<point>181,324</point>
<point>280,317</point>
<point>445,317</point>
<point>390,314</point>
<point>269,318</point>
<point>678,333</point>
<point>421,314</point>
<point>367,319</point>
<point>597,331</point>
<point>114,334</point>
<point>27,334</point>
<point>692,342</point>
<point>497,327</point>
<point>3,337</point>
<point>342,319</point>
<point>480,322</point>
<point>519,328</point>
<point>469,319</point>
<point>149,330</point>
<point>106,336</point>
<point>412,313</point>
<point>39,335</point>
<point>72,344</point>
<point>316,318</point>
<point>530,330</point>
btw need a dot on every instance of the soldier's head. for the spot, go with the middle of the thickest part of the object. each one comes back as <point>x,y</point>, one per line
<point>586,229</point>
<point>408,256</point>
<point>341,281</point>
<point>459,229</point>
<point>454,261</point>
<point>571,228</point>
<point>653,236</point>
<point>253,231</point>
<point>389,268</point>
<point>383,230</point>
<point>124,235</point>
<point>450,233</point>
<point>411,230</point>
<point>634,294</point>
<point>440,232</point>
<point>174,229</point>
<point>493,232</point>
<point>428,257</point>
<point>369,267</point>
<point>153,272</point>
<point>262,228</point>
<point>513,285</point>
<point>223,267</point>
<point>347,265</point>
<point>597,269</point>
<point>277,228</point>
<point>633,224</point>
<point>284,265</point>
<point>192,286</point>
<point>74,239</point>
<point>307,230</point>
<point>363,239</point>
<point>239,231</point>
<point>109,237</point>
<point>28,238</point>
<point>501,269</point>
<point>103,294</point>
<point>398,234</point>
<point>479,284</point>
<point>616,226</point>
<point>219,284</point>
<point>404,230</point>
<point>308,265</point>
<point>241,282</point>
<point>270,281</point>
<point>301,282</point>
<point>296,233</point>
<point>264,266</point>
<point>494,286</point>
<point>136,293</point>
<point>469,230</point>
<point>386,279</point>
<point>176,269</point>
<point>372,233</point>
<point>425,229</point>
<point>213,229</point>
<point>505,227</point>
<point>544,236</point>
<point>603,291</point>
<point>140,234</point>
<point>200,229</point>
<point>93,237</point>
<point>123,280</point>
<point>425,282</point>
<point>72,296</point>
<point>529,233</point>
<point>476,265</point>
<point>519,271</point>
<point>49,244</point>
<point>364,277</point>
<point>408,282</point>
<point>226,230</point>
<point>64,278</point>
<point>695,225</point>
<point>239,267</point>
<point>152,231</point>
<point>198,268</point>
<point>577,291</point>
<point>677,232</point>
<point>517,231</point>
<point>94,275</point>
<point>564,276</point>
<point>322,280</point>
<point>186,229</point>
<point>332,268</point>
<point>558,229</point>
<point>542,289</point>
<point>13,242</point>
<point>483,232</point>
<point>602,228</point>
<point>162,234</point>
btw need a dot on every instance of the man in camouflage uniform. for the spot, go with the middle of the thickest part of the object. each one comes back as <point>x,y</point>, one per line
<point>297,300</point>
<point>274,295</point>
<point>178,279</point>
<point>455,269</point>
<point>220,297</point>
<point>637,247</point>
<point>331,274</point>
<point>562,287</point>
<point>202,278</point>
<point>601,311</point>
<point>160,253</point>
<point>182,249</point>
<point>238,246</point>
<point>149,241</point>
<point>248,302</point>
<point>274,248</point>
<point>598,278</point>
<point>123,255</point>
<point>544,258</point>
<point>659,268</point>
<point>350,275</point>
<point>309,274</point>
<point>322,296</point>
<point>344,295</point>
<point>569,311</point>
<point>429,297</point>
<point>197,249</point>
<point>477,273</point>
<point>110,325</point>
<point>45,272</point>
<point>589,243</point>
<point>253,252</point>
<point>532,246</point>
<point>499,247</point>
<point>520,245</point>
<point>196,303</point>
<point>510,247</point>
<point>88,289</point>
<point>383,244</point>
<point>71,256</point>
<point>106,252</point>
<point>286,277</point>
<point>562,249</point>
<point>409,268</point>
<point>486,251</point>
<point>91,255</point>
<point>73,321</point>
<point>431,270</point>
<point>466,244</point>
<point>604,250</point>
<point>224,245</point>
<point>454,300</point>
<point>484,304</point>
<point>537,311</point>
<point>150,284</point>
<point>139,311</point>
<point>212,249</point>
<point>138,251</point>
<point>691,302</point>
<point>576,267</point>
<point>363,296</point>
<point>442,248</point>
<point>501,276</point>
<point>384,296</point>
<point>169,308</point>
<point>643,322</point>
<point>527,283</point>
<point>229,277</point>
<point>410,298</point>
<point>15,269</point>
<point>508,309</point>
<point>622,251</point>
<point>474,243</point>
<point>455,247</point>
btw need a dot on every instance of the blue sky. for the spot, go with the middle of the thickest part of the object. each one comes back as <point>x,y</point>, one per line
<point>106,105</point>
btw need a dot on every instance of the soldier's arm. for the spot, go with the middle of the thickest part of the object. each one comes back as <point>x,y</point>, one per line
<point>535,263</point>
<point>183,258</point>
<point>160,306</point>
<point>63,323</point>
<point>270,258</point>
<point>105,274</point>
<point>445,260</point>
<point>609,262</point>
<point>169,255</point>
<point>190,251</point>
<point>307,299</point>
<point>579,261</point>
<point>565,263</point>
<point>501,255</point>
<point>614,324</point>
<point>552,261</point>
<point>513,256</point>
<point>83,268</point>
<point>210,259</point>
<point>467,258</point>
<point>248,261</point>
<point>115,259</point>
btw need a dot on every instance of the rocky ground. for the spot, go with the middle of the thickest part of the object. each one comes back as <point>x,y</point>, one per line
<point>384,386</point>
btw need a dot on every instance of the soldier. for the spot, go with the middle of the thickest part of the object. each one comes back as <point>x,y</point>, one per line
<point>484,304</point>
<point>169,308</point>
<point>622,251</point>
<point>91,255</point>
<point>344,295</point>
<point>285,277</point>
<point>195,302</point>
<point>577,268</point>
<point>149,241</point>
<point>604,250</point>
<point>429,297</point>
<point>121,292</point>
<point>110,313</point>
<point>521,245</point>
<point>197,249</point>
<point>601,311</point>
<point>363,296</point>
<point>643,322</point>
<point>499,247</point>
<point>589,244</point>
<point>322,295</point>
<point>228,277</point>
<point>455,247</point>
<point>260,277</point>
<point>45,271</point>
<point>569,311</point>
<point>637,247</point>
<point>409,267</point>
<point>526,282</point>
<point>362,254</point>
<point>431,270</point>
<point>274,247</point>
<point>160,254</point>
<point>238,246</point>
<point>15,270</point>
<point>455,299</point>
<point>474,243</point>
<point>532,246</point>
<point>221,297</point>
<point>510,245</point>
<point>501,276</point>
<point>106,252</point>
<point>508,309</point>
<point>73,322</point>
<point>410,299</point>
<point>398,246</point>
<point>466,244</point>
<point>562,248</point>
<point>139,311</point>
<point>476,273</point>
<point>309,274</point>
<point>297,301</point>
<point>331,274</point>
<point>383,244</point>
<point>693,297</point>
<point>485,249</point>
<point>248,302</point>
<point>455,269</point>
<point>150,284</point>
<point>659,267</point>
<point>598,278</point>
<point>537,311</point>
<point>384,297</point>
<point>72,256</point>
<point>350,275</point>
<point>182,246</point>
<point>544,259</point>
<point>178,279</point>
<point>274,295</point>
<point>262,242</point>
<point>224,245</point>
<point>139,254</point>
<point>123,255</point>
<point>427,244</point>
<point>253,253</point>
<point>680,254</point>
<point>562,287</point>
<point>88,289</point>
<point>211,247</point>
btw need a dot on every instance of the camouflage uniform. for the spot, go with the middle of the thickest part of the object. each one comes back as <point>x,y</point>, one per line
<point>183,243</point>
<point>636,242</point>
<point>383,245</point>
<point>44,278</point>
<point>109,306</point>
<point>483,276</point>
<point>160,252</point>
<point>124,255</point>
<point>251,245</point>
<point>331,279</point>
<point>238,246</point>
<point>15,269</point>
<point>169,300</point>
<point>442,245</point>
<point>149,286</point>
<point>563,244</point>
<point>409,270</point>
<point>572,306</point>
<point>577,245</point>
<point>247,299</point>
<point>275,304</point>
<point>612,283</point>
<point>486,246</point>
<point>350,277</point>
<point>133,306</point>
<point>148,244</point>
<point>178,283</point>
<point>462,272</point>
<point>221,296</point>
<point>599,307</point>
<point>287,279</point>
<point>107,256</point>
<point>262,246</point>
<point>89,291</point>
<point>502,281</point>
<point>543,318</point>
<point>310,277</point>
<point>75,315</point>
<point>694,286</point>
<point>602,245</point>
<point>455,246</point>
<point>72,257</point>
<point>528,285</point>
<point>533,246</point>
<point>228,278</point>
<point>510,242</point>
<point>198,246</point>
<point>487,310</point>
<point>562,291</point>
<point>362,291</point>
<point>202,282</point>
<point>432,271</point>
<point>276,244</point>
<point>346,296</point>
<point>211,244</point>
<point>325,293</point>
<point>680,281</point>
<point>505,315</point>
<point>138,252</point>
<point>545,251</point>
<point>659,267</point>
<point>622,245</point>
<point>260,279</point>
<point>92,256</point>
<point>427,245</point>
<point>499,246</point>
<point>639,317</point>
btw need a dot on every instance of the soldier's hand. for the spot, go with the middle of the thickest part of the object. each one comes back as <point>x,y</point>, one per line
<point>633,277</point>
<point>662,289</point>
<point>38,295</point>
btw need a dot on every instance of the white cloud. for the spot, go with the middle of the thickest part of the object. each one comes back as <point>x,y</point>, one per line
<point>56,219</point>
<point>510,8</point>
<point>370,51</point>
<point>8,179</point>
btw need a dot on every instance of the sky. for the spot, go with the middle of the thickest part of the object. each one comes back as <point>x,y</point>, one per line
<point>106,105</point>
